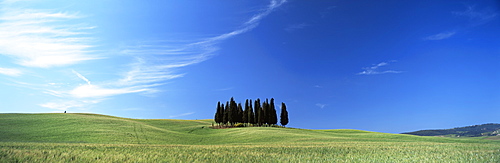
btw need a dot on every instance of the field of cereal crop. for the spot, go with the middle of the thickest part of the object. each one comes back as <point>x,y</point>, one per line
<point>99,138</point>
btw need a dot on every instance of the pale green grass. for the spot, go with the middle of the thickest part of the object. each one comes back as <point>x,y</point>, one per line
<point>289,152</point>
<point>99,138</point>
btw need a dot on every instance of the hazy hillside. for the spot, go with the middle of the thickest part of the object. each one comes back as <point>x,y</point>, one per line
<point>490,129</point>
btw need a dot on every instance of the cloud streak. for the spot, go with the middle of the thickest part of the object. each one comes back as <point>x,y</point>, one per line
<point>322,106</point>
<point>156,62</point>
<point>477,17</point>
<point>10,71</point>
<point>181,115</point>
<point>374,70</point>
<point>81,77</point>
<point>66,105</point>
<point>440,36</point>
<point>273,5</point>
<point>93,91</point>
<point>42,39</point>
<point>87,94</point>
<point>295,27</point>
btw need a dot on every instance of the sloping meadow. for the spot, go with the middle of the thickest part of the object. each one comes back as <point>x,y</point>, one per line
<point>99,138</point>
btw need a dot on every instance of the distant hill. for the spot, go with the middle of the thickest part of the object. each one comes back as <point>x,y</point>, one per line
<point>490,129</point>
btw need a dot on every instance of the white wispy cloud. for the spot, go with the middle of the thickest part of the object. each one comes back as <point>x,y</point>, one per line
<point>225,89</point>
<point>273,5</point>
<point>477,16</point>
<point>10,71</point>
<point>97,91</point>
<point>181,115</point>
<point>81,77</point>
<point>320,105</point>
<point>327,11</point>
<point>83,95</point>
<point>374,70</point>
<point>156,62</point>
<point>94,91</point>
<point>440,36</point>
<point>69,104</point>
<point>37,38</point>
<point>294,27</point>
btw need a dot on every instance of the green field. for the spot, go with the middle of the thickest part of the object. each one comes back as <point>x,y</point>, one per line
<point>100,138</point>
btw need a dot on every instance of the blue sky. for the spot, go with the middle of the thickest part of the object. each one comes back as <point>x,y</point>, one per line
<point>390,66</point>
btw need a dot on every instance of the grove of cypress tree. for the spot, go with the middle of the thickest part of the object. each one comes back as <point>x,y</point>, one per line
<point>261,113</point>
<point>284,115</point>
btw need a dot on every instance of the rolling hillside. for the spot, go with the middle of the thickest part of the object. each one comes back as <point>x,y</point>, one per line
<point>101,138</point>
<point>94,128</point>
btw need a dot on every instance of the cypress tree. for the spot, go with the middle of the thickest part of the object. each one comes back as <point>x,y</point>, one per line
<point>256,111</point>
<point>239,116</point>
<point>251,114</point>
<point>234,107</point>
<point>259,116</point>
<point>273,119</point>
<point>245,112</point>
<point>232,111</point>
<point>234,116</point>
<point>284,115</point>
<point>265,112</point>
<point>218,114</point>
<point>221,115</point>
<point>226,113</point>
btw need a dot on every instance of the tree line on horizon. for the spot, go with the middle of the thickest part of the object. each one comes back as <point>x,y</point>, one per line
<point>258,114</point>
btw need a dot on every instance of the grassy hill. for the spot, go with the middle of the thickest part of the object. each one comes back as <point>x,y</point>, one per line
<point>489,129</point>
<point>92,137</point>
<point>94,128</point>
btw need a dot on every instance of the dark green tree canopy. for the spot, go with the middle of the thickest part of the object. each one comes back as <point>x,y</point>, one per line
<point>284,115</point>
<point>251,114</point>
<point>245,112</point>
<point>225,118</point>
<point>220,113</point>
<point>273,119</point>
